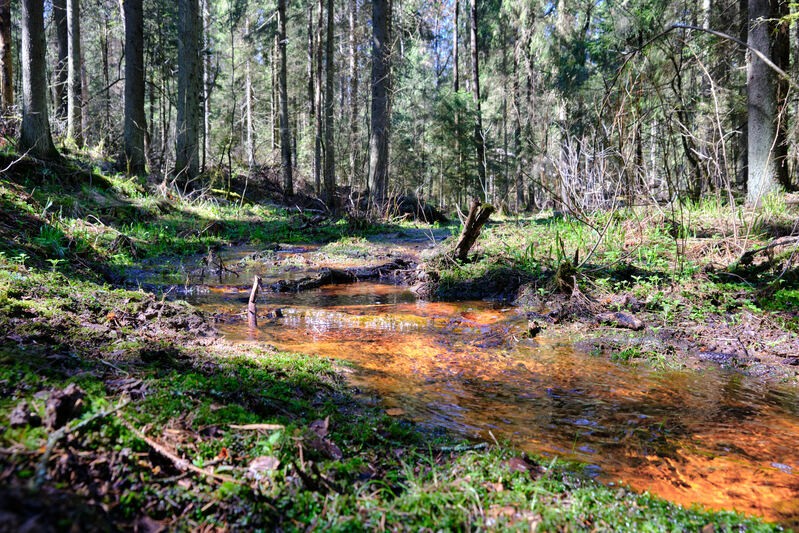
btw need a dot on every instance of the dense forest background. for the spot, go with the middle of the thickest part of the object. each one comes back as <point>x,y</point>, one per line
<point>571,104</point>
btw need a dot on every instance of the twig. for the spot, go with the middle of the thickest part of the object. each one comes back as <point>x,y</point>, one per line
<point>464,447</point>
<point>180,464</point>
<point>56,436</point>
<point>265,427</point>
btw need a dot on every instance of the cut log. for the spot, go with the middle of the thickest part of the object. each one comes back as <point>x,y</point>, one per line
<point>478,216</point>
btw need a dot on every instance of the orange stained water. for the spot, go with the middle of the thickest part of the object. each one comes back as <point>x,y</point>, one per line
<point>714,438</point>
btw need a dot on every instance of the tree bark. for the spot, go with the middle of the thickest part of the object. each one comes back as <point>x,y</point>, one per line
<point>478,216</point>
<point>479,139</point>
<point>74,86</point>
<point>187,153</point>
<point>517,132</point>
<point>330,149</point>
<point>61,67</point>
<point>35,137</point>
<point>762,107</point>
<point>318,163</point>
<point>207,85</point>
<point>135,121</point>
<point>285,133</point>
<point>6,59</point>
<point>248,108</point>
<point>381,102</point>
<point>353,79</point>
<point>781,55</point>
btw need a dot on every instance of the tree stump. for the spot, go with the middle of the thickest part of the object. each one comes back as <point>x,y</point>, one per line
<point>478,216</point>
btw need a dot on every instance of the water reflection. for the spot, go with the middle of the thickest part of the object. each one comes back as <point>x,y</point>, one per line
<point>710,437</point>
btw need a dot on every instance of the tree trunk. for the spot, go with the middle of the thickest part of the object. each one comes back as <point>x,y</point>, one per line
<point>285,133</point>
<point>248,108</point>
<point>35,137</point>
<point>61,67</point>
<point>206,149</point>
<point>781,55</point>
<point>74,87</point>
<point>762,106</point>
<point>330,149</point>
<point>380,119</point>
<point>317,163</point>
<point>517,132</point>
<point>309,70</point>
<point>105,36</point>
<point>187,152</point>
<point>456,81</point>
<point>135,120</point>
<point>353,79</point>
<point>479,139</point>
<point>6,59</point>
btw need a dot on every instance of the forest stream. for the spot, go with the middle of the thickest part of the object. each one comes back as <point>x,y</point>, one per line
<point>711,437</point>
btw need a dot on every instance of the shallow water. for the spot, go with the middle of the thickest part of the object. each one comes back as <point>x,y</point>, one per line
<point>713,437</point>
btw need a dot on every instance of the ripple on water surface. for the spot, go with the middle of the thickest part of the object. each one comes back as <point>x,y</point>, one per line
<point>711,437</point>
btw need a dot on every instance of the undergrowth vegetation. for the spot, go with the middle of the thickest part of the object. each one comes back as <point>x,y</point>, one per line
<point>173,427</point>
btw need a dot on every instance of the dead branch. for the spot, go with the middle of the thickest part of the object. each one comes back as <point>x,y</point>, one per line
<point>252,309</point>
<point>747,257</point>
<point>181,464</point>
<point>478,216</point>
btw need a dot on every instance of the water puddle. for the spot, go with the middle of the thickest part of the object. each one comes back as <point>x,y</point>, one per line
<point>712,437</point>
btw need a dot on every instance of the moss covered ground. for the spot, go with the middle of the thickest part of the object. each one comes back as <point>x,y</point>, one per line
<point>173,427</point>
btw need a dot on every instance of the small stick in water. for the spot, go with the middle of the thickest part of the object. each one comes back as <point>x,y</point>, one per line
<point>252,309</point>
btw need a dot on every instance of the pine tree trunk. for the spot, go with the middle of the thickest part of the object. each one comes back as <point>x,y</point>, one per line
<point>781,55</point>
<point>517,132</point>
<point>285,133</point>
<point>74,86</point>
<point>207,86</point>
<point>479,139</point>
<point>135,121</point>
<point>317,163</point>
<point>248,116</point>
<point>248,108</point>
<point>6,59</point>
<point>330,149</point>
<point>35,138</point>
<point>61,67</point>
<point>187,153</point>
<point>381,103</point>
<point>762,106</point>
<point>309,70</point>
<point>353,79</point>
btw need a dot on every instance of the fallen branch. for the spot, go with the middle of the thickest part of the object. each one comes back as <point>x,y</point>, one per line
<point>464,447</point>
<point>180,464</point>
<point>333,276</point>
<point>264,427</point>
<point>56,436</point>
<point>747,257</point>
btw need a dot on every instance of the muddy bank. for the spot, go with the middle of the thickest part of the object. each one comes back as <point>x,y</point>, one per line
<point>628,328</point>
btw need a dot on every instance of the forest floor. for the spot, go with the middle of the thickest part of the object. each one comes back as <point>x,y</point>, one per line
<point>123,410</point>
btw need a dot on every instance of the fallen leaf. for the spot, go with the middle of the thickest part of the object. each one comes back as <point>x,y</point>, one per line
<point>262,465</point>
<point>395,411</point>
